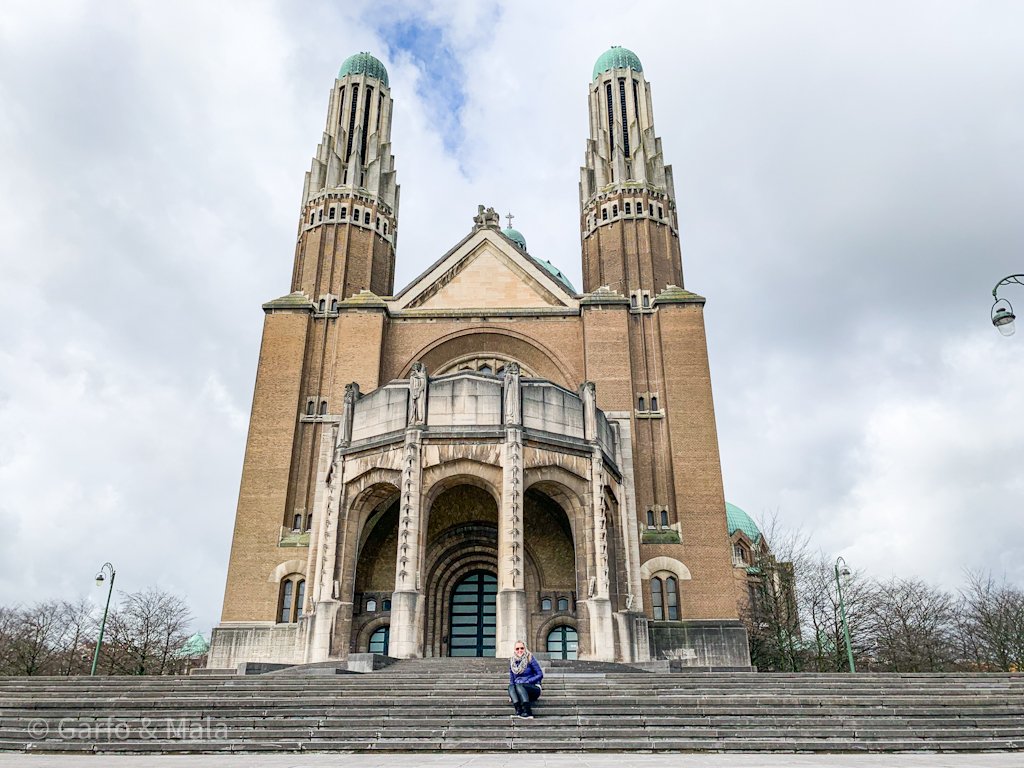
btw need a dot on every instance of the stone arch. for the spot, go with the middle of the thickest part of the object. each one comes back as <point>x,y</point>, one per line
<point>362,638</point>
<point>505,342</point>
<point>669,564</point>
<point>442,477</point>
<point>287,568</point>
<point>565,488</point>
<point>467,550</point>
<point>541,635</point>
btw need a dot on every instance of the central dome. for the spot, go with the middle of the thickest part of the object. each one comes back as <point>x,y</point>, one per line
<point>363,63</point>
<point>617,57</point>
<point>515,236</point>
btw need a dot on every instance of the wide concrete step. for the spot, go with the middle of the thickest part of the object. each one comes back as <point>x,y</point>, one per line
<point>446,705</point>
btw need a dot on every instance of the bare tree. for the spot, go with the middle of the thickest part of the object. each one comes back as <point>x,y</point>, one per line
<point>77,637</point>
<point>914,627</point>
<point>818,601</point>
<point>145,631</point>
<point>35,638</point>
<point>991,623</point>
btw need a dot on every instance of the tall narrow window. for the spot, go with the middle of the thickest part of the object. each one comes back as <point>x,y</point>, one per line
<point>323,304</point>
<point>351,122</point>
<point>625,207</point>
<point>380,105</point>
<point>664,518</point>
<point>366,125</point>
<point>297,523</point>
<point>641,404</point>
<point>320,215</point>
<point>323,407</point>
<point>285,615</point>
<point>650,518</point>
<point>636,103</point>
<point>366,217</point>
<point>654,402</point>
<point>657,600</point>
<point>671,599</point>
<point>615,210</point>
<point>379,640</point>
<point>300,596</point>
<point>331,215</point>
<point>651,207</point>
<point>385,227</point>
<point>625,121</point>
<point>312,217</point>
<point>647,301</point>
<point>611,122</point>
<point>604,215</point>
<point>385,605</point>
<point>334,305</point>
<point>310,408</point>
<point>344,213</point>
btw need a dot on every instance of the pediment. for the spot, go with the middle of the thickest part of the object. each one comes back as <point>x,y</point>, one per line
<point>485,271</point>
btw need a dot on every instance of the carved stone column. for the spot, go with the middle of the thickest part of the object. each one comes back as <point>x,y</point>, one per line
<point>511,602</point>
<point>599,609</point>
<point>406,601</point>
<point>321,595</point>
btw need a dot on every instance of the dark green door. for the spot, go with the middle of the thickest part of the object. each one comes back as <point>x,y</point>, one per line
<point>473,615</point>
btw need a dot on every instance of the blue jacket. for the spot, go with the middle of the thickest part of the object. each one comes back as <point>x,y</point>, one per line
<point>532,675</point>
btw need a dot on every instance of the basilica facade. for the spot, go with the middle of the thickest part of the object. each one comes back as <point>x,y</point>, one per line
<point>487,454</point>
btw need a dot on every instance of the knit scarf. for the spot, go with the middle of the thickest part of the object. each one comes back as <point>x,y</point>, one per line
<point>518,666</point>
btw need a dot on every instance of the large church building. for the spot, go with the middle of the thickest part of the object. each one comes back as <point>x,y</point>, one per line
<point>486,454</point>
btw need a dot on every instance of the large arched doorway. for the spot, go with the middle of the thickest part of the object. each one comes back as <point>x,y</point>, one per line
<point>473,623</point>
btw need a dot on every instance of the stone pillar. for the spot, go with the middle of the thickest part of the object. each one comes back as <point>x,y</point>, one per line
<point>599,609</point>
<point>511,603</point>
<point>406,601</point>
<point>321,595</point>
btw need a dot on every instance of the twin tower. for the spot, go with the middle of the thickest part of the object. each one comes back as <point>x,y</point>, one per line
<point>486,455</point>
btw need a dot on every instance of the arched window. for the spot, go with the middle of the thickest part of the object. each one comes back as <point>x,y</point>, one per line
<point>654,402</point>
<point>310,408</point>
<point>563,643</point>
<point>563,604</point>
<point>309,522</point>
<point>632,300</point>
<point>650,518</point>
<point>320,215</point>
<point>385,227</point>
<point>297,523</point>
<point>292,595</point>
<point>615,210</point>
<point>332,212</point>
<point>344,212</point>
<point>312,217</point>
<point>672,598</point>
<point>366,217</point>
<point>647,301</point>
<point>371,606</point>
<point>626,208</point>
<point>334,305</point>
<point>545,604</point>
<point>323,304</point>
<point>379,640</point>
<point>323,407</point>
<point>641,403</point>
<point>657,600</point>
<point>664,518</point>
<point>486,369</point>
<point>385,605</point>
<point>604,215</point>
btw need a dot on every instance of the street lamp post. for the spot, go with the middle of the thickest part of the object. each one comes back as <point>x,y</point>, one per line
<point>1002,316</point>
<point>844,571</point>
<point>106,569</point>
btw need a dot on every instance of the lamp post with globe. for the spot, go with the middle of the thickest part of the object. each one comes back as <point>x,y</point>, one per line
<point>844,571</point>
<point>105,570</point>
<point>1002,310</point>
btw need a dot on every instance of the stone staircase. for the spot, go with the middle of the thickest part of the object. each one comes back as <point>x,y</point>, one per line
<point>460,705</point>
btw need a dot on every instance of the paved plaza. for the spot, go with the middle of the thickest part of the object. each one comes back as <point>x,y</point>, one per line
<point>519,760</point>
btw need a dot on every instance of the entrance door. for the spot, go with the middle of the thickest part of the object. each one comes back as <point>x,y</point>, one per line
<point>473,615</point>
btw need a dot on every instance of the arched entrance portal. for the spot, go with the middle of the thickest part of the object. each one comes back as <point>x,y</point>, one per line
<point>473,615</point>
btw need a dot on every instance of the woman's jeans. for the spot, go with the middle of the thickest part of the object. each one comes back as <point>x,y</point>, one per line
<point>523,693</point>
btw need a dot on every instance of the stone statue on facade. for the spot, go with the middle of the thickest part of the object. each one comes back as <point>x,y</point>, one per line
<point>513,411</point>
<point>588,394</point>
<point>348,413</point>
<point>417,394</point>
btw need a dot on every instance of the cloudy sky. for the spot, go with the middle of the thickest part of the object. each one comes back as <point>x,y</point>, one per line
<point>850,180</point>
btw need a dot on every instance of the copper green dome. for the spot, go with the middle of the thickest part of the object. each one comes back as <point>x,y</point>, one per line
<point>738,520</point>
<point>363,64</point>
<point>617,57</point>
<point>515,236</point>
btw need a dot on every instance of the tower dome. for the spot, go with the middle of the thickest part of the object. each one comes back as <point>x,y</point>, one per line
<point>515,236</point>
<point>738,520</point>
<point>363,63</point>
<point>617,57</point>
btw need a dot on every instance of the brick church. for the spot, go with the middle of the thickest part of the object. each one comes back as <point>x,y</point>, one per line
<point>486,454</point>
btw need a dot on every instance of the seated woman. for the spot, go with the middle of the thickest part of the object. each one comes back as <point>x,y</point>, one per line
<point>524,676</point>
